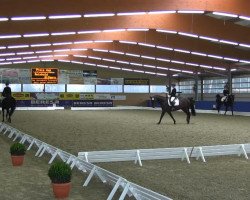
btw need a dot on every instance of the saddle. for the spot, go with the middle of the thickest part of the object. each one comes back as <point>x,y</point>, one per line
<point>173,101</point>
<point>224,99</point>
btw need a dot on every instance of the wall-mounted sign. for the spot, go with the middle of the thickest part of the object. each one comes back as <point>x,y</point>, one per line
<point>136,81</point>
<point>44,75</point>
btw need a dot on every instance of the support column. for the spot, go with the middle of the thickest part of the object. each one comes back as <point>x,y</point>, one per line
<point>169,82</point>
<point>196,87</point>
<point>202,88</point>
<point>229,80</point>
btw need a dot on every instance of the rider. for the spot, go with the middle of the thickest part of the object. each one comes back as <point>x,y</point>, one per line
<point>173,94</point>
<point>225,92</point>
<point>7,90</point>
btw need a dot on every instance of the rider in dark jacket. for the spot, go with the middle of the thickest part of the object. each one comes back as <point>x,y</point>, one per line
<point>7,90</point>
<point>173,94</point>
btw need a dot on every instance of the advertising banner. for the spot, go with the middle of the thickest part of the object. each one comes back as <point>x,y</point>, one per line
<point>21,95</point>
<point>69,96</point>
<point>97,103</point>
<point>136,81</point>
<point>87,96</point>
<point>44,96</point>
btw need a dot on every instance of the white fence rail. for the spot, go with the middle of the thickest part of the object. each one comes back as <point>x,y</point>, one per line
<point>138,155</point>
<point>117,182</point>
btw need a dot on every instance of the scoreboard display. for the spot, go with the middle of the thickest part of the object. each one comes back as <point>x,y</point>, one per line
<point>44,75</point>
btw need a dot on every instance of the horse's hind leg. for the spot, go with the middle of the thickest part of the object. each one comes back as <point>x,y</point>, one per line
<point>188,114</point>
<point>162,114</point>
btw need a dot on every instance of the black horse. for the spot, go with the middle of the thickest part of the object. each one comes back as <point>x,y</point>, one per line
<point>184,104</point>
<point>8,104</point>
<point>228,102</point>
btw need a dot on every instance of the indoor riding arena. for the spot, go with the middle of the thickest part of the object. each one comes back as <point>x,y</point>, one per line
<point>144,100</point>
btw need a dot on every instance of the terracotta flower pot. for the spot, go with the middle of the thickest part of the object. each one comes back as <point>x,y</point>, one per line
<point>17,160</point>
<point>61,190</point>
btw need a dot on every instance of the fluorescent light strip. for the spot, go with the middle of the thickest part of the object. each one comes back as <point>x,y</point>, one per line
<point>162,59</point>
<point>208,38</point>
<point>182,51</point>
<point>6,63</point>
<point>36,35</point>
<point>116,52</point>
<point>139,71</point>
<point>2,47</point>
<point>149,66</point>
<point>185,71</point>
<point>133,55</point>
<point>46,56</point>
<point>103,66</point>
<point>245,61</point>
<point>163,68</point>
<point>146,45</point>
<point>245,45</point>
<point>63,33</point>
<point>61,55</point>
<point>19,62</point>
<point>18,46</point>
<point>61,43</point>
<point>149,72</point>
<point>2,59</point>
<point>165,48</point>
<point>177,62</point>
<point>47,51</point>
<point>225,14</point>
<point>83,42</point>
<point>148,57</point>
<point>103,41</point>
<point>115,68</point>
<point>232,70</point>
<point>162,12</point>
<point>160,74</point>
<point>93,57</point>
<point>131,13</point>
<point>191,11</point>
<point>241,17</point>
<point>109,60</point>
<point>100,50</point>
<point>231,59</point>
<point>47,60</point>
<point>206,66</point>
<point>67,61</point>
<point>192,64</point>
<point>76,62</point>
<point>88,32</point>
<point>113,30</point>
<point>41,45</point>
<point>198,54</point>
<point>137,29</point>
<point>9,36</point>
<point>126,69</point>
<point>80,49</point>
<point>90,64</point>
<point>188,34</point>
<point>136,64</point>
<point>28,18</point>
<point>228,42</point>
<point>214,56</point>
<point>25,53</point>
<point>64,16</point>
<point>219,68</point>
<point>3,19</point>
<point>122,62</point>
<point>100,15</point>
<point>30,57</point>
<point>127,42</point>
<point>7,54</point>
<point>166,31</point>
<point>175,70</point>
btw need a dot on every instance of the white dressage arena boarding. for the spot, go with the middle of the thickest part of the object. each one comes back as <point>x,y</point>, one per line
<point>137,155</point>
<point>116,181</point>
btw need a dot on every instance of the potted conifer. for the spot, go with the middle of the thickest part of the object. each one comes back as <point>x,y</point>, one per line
<point>17,151</point>
<point>60,176</point>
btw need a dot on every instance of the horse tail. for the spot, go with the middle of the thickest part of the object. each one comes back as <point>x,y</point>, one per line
<point>192,103</point>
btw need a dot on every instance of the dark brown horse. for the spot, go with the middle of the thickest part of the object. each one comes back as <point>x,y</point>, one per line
<point>184,104</point>
<point>228,102</point>
<point>8,104</point>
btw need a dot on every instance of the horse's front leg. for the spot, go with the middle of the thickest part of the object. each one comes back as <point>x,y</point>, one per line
<point>170,114</point>
<point>225,110</point>
<point>162,114</point>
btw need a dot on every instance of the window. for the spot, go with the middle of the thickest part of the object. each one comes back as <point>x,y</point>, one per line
<point>80,88</point>
<point>33,87</point>
<point>136,89</point>
<point>158,89</point>
<point>54,88</point>
<point>15,87</point>
<point>109,88</point>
